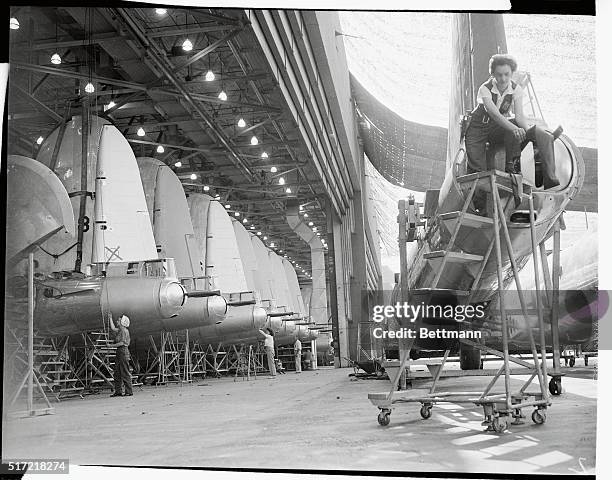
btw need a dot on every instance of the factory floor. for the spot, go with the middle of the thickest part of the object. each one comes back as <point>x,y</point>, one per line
<point>314,420</point>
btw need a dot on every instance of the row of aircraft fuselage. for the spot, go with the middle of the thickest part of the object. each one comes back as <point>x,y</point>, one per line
<point>167,260</point>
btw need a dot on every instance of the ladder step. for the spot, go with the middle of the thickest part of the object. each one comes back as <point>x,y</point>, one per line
<point>469,220</point>
<point>453,257</point>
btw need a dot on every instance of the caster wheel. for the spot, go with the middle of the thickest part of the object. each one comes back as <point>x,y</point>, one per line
<point>384,418</point>
<point>572,362</point>
<point>426,411</point>
<point>554,386</point>
<point>500,424</point>
<point>538,416</point>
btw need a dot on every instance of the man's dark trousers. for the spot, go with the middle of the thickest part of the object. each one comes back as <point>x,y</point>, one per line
<point>122,371</point>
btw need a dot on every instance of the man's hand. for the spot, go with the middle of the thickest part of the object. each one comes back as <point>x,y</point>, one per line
<point>520,134</point>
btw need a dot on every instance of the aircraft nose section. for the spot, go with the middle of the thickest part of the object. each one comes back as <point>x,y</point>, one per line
<point>171,298</point>
<point>259,317</point>
<point>217,307</point>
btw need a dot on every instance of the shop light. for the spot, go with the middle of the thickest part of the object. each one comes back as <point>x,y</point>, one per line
<point>264,155</point>
<point>254,140</point>
<point>89,88</point>
<point>14,24</point>
<point>56,59</point>
<point>210,76</point>
<point>193,176</point>
<point>141,132</point>
<point>222,96</point>
<point>241,123</point>
<point>178,164</point>
<point>281,181</point>
<point>39,140</point>
<point>160,149</point>
<point>187,45</point>
<point>274,169</point>
<point>161,11</point>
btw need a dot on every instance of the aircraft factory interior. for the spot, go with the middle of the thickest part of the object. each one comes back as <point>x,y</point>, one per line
<point>300,240</point>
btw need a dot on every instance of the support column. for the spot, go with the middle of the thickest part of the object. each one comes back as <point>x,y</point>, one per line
<point>338,302</point>
<point>318,302</point>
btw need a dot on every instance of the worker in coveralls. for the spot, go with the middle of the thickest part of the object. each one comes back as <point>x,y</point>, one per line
<point>499,117</point>
<point>269,347</point>
<point>121,373</point>
<point>297,349</point>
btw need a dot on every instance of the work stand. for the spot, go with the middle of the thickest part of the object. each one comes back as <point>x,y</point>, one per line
<point>500,409</point>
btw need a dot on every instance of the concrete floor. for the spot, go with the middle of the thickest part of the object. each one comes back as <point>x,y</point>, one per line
<point>314,420</point>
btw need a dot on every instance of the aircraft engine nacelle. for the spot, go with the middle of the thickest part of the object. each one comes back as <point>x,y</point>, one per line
<point>70,305</point>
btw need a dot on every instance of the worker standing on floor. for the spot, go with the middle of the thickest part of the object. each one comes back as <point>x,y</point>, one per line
<point>297,349</point>
<point>121,374</point>
<point>269,346</point>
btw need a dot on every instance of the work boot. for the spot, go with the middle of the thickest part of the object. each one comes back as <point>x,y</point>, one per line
<point>514,165</point>
<point>117,394</point>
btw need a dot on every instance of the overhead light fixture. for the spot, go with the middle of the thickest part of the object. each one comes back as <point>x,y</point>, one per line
<point>241,123</point>
<point>272,244</point>
<point>222,96</point>
<point>265,238</point>
<point>254,140</point>
<point>89,88</point>
<point>161,11</point>
<point>160,149</point>
<point>310,224</point>
<point>228,206</point>
<point>39,140</point>
<point>14,24</point>
<point>178,164</point>
<point>187,45</point>
<point>259,234</point>
<point>141,132</point>
<point>305,215</point>
<point>301,207</point>
<point>281,181</point>
<point>210,76</point>
<point>274,169</point>
<point>252,227</point>
<point>314,229</point>
<point>111,104</point>
<point>236,214</point>
<point>318,234</point>
<point>56,59</point>
<point>264,154</point>
<point>244,220</point>
<point>193,176</point>
<point>288,190</point>
<point>206,188</point>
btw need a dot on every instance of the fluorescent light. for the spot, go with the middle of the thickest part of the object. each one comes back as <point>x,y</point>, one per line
<point>281,181</point>
<point>141,132</point>
<point>210,76</point>
<point>178,164</point>
<point>56,59</point>
<point>160,149</point>
<point>274,169</point>
<point>187,45</point>
<point>241,123</point>
<point>89,88</point>
<point>39,140</point>
<point>161,11</point>
<point>14,24</point>
<point>254,140</point>
<point>193,176</point>
<point>222,96</point>
<point>264,155</point>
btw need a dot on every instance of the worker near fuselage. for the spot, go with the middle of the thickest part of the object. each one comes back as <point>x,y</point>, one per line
<point>269,347</point>
<point>121,374</point>
<point>297,350</point>
<point>499,117</point>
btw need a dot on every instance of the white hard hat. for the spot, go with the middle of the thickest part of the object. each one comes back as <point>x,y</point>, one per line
<point>125,321</point>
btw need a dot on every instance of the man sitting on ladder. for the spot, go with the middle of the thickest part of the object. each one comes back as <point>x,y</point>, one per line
<point>498,118</point>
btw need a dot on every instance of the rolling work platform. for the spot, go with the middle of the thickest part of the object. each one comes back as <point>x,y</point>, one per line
<point>500,408</point>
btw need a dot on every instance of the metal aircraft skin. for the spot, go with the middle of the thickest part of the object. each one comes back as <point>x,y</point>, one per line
<point>115,268</point>
<point>470,63</point>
